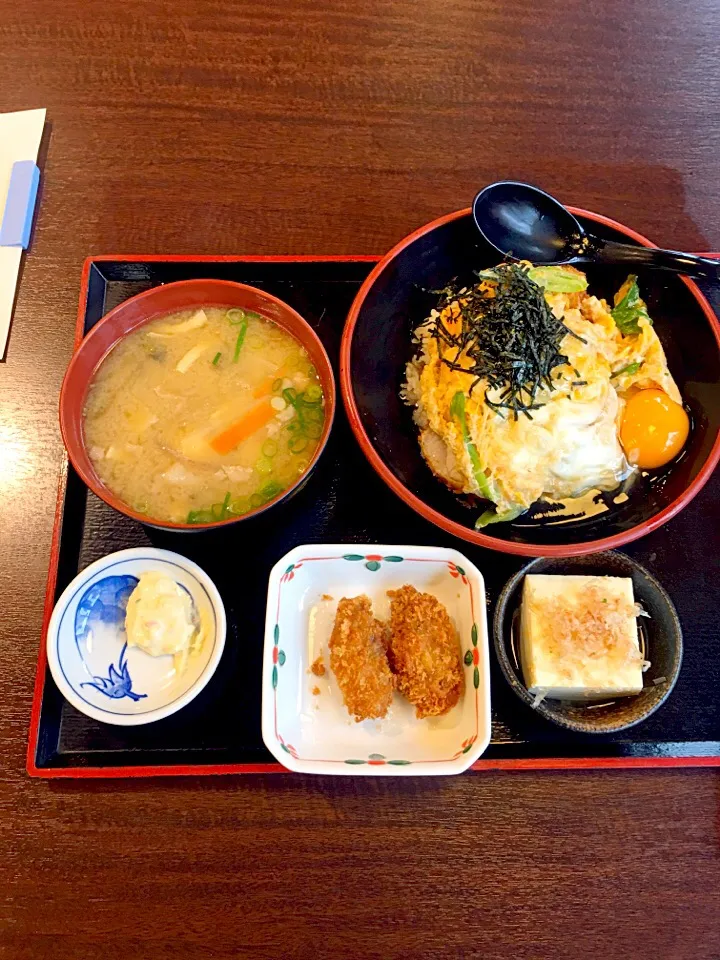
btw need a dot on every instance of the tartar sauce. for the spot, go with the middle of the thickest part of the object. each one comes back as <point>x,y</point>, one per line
<point>161,619</point>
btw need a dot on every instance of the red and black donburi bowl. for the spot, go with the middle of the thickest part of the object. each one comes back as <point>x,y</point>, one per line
<point>138,310</point>
<point>377,344</point>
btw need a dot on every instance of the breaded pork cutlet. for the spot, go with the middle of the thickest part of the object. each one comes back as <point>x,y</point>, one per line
<point>424,652</point>
<point>359,660</point>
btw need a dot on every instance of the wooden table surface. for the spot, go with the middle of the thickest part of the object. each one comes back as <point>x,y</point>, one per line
<point>337,127</point>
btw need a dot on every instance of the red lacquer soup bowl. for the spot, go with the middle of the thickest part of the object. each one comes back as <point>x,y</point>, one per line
<point>146,306</point>
<point>377,345</point>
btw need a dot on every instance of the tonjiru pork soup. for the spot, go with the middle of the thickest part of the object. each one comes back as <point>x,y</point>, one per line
<point>203,415</point>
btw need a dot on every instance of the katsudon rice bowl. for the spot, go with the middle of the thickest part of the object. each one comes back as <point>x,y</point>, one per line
<point>599,439</point>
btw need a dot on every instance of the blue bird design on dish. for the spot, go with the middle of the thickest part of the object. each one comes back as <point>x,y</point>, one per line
<point>118,683</point>
<point>102,605</point>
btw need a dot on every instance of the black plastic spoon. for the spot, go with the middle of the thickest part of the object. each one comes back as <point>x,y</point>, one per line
<point>526,223</point>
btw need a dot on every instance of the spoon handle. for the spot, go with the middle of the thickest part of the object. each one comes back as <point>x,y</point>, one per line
<point>607,251</point>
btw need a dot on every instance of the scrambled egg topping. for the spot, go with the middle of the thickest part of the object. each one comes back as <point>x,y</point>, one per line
<point>571,445</point>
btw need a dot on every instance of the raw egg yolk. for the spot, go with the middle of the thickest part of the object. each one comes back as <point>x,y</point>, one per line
<point>654,429</point>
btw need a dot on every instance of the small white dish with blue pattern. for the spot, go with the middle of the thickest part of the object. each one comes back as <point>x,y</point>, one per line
<point>88,653</point>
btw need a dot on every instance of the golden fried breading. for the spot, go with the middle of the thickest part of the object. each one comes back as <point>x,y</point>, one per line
<point>359,661</point>
<point>424,652</point>
<point>317,667</point>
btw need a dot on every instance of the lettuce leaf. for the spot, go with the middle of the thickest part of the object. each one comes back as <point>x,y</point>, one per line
<point>490,516</point>
<point>629,308</point>
<point>558,279</point>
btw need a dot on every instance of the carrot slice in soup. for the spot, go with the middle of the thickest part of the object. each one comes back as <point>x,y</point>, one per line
<point>245,427</point>
<point>266,385</point>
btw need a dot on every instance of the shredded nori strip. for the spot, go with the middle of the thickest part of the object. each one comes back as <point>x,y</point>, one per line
<point>509,333</point>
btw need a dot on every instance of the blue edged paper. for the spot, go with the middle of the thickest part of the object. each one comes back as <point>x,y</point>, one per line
<point>20,204</point>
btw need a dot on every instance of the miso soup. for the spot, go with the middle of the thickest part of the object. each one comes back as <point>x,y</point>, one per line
<point>203,415</point>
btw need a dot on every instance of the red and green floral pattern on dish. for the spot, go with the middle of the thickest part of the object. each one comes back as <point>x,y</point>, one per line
<point>288,747</point>
<point>290,572</point>
<point>378,760</point>
<point>465,746</point>
<point>373,562</point>
<point>472,656</point>
<point>456,571</point>
<point>278,657</point>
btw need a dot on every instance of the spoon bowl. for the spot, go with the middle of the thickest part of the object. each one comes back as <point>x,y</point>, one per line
<point>526,223</point>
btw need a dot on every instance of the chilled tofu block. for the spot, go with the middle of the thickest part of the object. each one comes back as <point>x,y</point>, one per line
<point>579,637</point>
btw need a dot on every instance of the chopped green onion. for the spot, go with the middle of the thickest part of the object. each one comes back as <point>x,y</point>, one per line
<point>256,500</point>
<point>219,511</point>
<point>216,358</point>
<point>297,444</point>
<point>269,448</point>
<point>200,516</point>
<point>239,506</point>
<point>263,465</point>
<point>277,384</point>
<point>251,315</point>
<point>290,395</point>
<point>236,316</point>
<point>630,369</point>
<point>240,340</point>
<point>313,393</point>
<point>270,490</point>
<point>314,430</point>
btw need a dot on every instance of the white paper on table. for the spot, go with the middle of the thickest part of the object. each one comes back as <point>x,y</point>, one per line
<point>20,135</point>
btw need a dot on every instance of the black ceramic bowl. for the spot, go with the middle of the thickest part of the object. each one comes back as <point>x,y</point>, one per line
<point>660,642</point>
<point>377,345</point>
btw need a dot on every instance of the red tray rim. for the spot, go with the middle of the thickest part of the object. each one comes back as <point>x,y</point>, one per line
<point>181,770</point>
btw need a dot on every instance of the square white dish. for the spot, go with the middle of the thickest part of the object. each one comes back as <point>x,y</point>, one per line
<point>312,732</point>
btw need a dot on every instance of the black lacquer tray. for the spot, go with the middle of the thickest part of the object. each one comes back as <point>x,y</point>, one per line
<point>344,501</point>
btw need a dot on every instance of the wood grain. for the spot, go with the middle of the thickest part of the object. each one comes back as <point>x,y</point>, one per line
<point>299,127</point>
